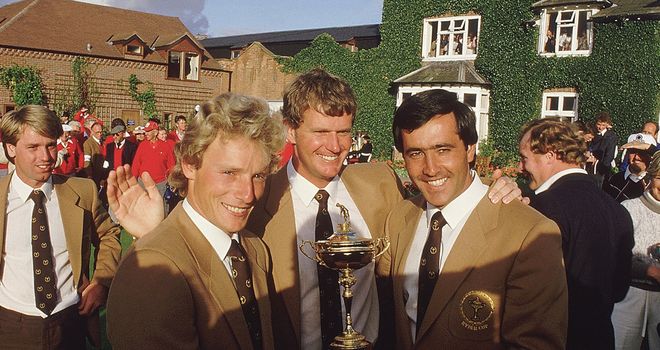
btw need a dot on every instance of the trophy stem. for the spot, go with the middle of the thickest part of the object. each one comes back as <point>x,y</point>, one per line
<point>350,339</point>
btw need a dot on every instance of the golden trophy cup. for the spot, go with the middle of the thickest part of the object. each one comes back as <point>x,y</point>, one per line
<point>343,251</point>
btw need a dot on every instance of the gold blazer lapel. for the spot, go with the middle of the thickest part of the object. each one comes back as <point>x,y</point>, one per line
<point>216,278</point>
<point>4,191</point>
<point>471,243</point>
<point>73,217</point>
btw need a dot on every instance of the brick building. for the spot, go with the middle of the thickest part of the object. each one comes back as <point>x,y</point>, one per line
<point>50,34</point>
<point>252,58</point>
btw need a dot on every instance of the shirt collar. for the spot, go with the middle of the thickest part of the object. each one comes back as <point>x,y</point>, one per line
<point>219,239</point>
<point>456,210</point>
<point>633,177</point>
<point>552,179</point>
<point>24,190</point>
<point>121,144</point>
<point>304,189</point>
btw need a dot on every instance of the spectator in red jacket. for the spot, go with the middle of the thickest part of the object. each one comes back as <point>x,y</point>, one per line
<point>69,154</point>
<point>176,135</point>
<point>153,156</point>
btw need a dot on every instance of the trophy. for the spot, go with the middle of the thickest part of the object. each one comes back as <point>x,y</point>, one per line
<point>343,251</point>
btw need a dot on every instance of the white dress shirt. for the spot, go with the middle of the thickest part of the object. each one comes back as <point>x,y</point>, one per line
<point>456,214</point>
<point>217,238</point>
<point>17,284</point>
<point>552,179</point>
<point>365,298</point>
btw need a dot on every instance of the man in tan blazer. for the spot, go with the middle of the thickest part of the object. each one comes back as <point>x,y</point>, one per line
<point>71,219</point>
<point>466,273</point>
<point>199,280</point>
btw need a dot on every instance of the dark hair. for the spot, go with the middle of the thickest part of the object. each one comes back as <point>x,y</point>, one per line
<point>155,120</point>
<point>604,117</point>
<point>179,117</point>
<point>654,124</point>
<point>417,110</point>
<point>117,121</point>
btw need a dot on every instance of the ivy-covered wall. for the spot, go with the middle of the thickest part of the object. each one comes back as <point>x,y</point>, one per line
<point>621,76</point>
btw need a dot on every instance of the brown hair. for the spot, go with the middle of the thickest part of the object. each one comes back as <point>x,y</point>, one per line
<point>320,91</point>
<point>228,115</point>
<point>654,166</point>
<point>39,118</point>
<point>547,135</point>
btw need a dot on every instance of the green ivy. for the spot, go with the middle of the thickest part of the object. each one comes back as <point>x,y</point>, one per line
<point>621,76</point>
<point>146,98</point>
<point>24,83</point>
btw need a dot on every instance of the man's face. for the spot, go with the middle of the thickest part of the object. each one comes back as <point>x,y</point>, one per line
<point>118,137</point>
<point>151,135</point>
<point>162,135</point>
<point>139,136</point>
<point>65,136</point>
<point>534,165</point>
<point>34,156</point>
<point>97,131</point>
<point>649,129</point>
<point>437,159</point>
<point>181,125</point>
<point>601,126</point>
<point>321,144</point>
<point>637,161</point>
<point>654,187</point>
<point>229,181</point>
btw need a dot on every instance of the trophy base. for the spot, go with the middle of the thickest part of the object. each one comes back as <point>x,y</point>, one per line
<point>353,341</point>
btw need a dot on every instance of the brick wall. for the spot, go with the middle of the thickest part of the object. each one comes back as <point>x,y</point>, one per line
<point>111,79</point>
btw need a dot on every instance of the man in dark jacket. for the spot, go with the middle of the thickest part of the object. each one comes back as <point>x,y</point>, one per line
<point>119,152</point>
<point>597,232</point>
<point>603,148</point>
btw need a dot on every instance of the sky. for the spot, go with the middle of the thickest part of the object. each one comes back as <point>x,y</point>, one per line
<point>234,17</point>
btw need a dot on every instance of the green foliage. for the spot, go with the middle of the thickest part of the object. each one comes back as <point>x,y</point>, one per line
<point>24,83</point>
<point>146,98</point>
<point>82,92</point>
<point>621,76</point>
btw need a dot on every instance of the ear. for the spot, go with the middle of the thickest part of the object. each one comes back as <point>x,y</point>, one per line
<point>290,134</point>
<point>188,170</point>
<point>550,156</point>
<point>11,150</point>
<point>471,150</point>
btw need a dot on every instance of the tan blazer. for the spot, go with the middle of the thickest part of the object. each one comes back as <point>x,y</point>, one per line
<point>375,188</point>
<point>86,223</point>
<point>172,291</point>
<point>506,263</point>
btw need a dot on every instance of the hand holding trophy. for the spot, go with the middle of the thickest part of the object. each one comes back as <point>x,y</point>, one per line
<point>344,251</point>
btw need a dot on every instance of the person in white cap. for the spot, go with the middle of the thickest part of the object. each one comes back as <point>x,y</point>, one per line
<point>70,158</point>
<point>630,183</point>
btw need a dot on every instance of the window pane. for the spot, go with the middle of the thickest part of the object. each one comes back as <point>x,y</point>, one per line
<point>552,103</point>
<point>567,17</point>
<point>470,100</point>
<point>457,44</point>
<point>458,25</point>
<point>174,65</point>
<point>444,26</point>
<point>565,36</point>
<point>192,66</point>
<point>583,36</point>
<point>433,40</point>
<point>569,104</point>
<point>473,33</point>
<point>444,44</point>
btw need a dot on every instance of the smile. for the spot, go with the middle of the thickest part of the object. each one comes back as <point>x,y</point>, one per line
<point>439,182</point>
<point>328,158</point>
<point>236,210</point>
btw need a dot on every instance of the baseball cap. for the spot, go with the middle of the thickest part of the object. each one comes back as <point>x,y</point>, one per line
<point>150,126</point>
<point>66,127</point>
<point>117,129</point>
<point>138,130</point>
<point>643,138</point>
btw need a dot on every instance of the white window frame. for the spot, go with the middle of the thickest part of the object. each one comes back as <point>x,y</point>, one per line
<point>571,23</point>
<point>570,115</point>
<point>235,53</point>
<point>481,108</point>
<point>194,68</point>
<point>452,32</point>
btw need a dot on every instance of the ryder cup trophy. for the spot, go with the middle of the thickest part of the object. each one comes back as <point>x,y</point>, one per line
<point>345,252</point>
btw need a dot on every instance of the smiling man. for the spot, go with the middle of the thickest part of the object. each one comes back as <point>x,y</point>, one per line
<point>466,273</point>
<point>49,223</point>
<point>200,280</point>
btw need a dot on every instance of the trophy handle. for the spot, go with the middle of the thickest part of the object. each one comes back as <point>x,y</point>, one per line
<point>311,244</point>
<point>383,244</point>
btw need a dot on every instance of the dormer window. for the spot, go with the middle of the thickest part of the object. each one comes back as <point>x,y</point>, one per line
<point>183,65</point>
<point>134,49</point>
<point>451,38</point>
<point>235,53</point>
<point>566,32</point>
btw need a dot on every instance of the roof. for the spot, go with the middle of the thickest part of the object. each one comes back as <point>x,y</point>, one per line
<point>340,34</point>
<point>642,9</point>
<point>79,28</point>
<point>453,72</point>
<point>555,3</point>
